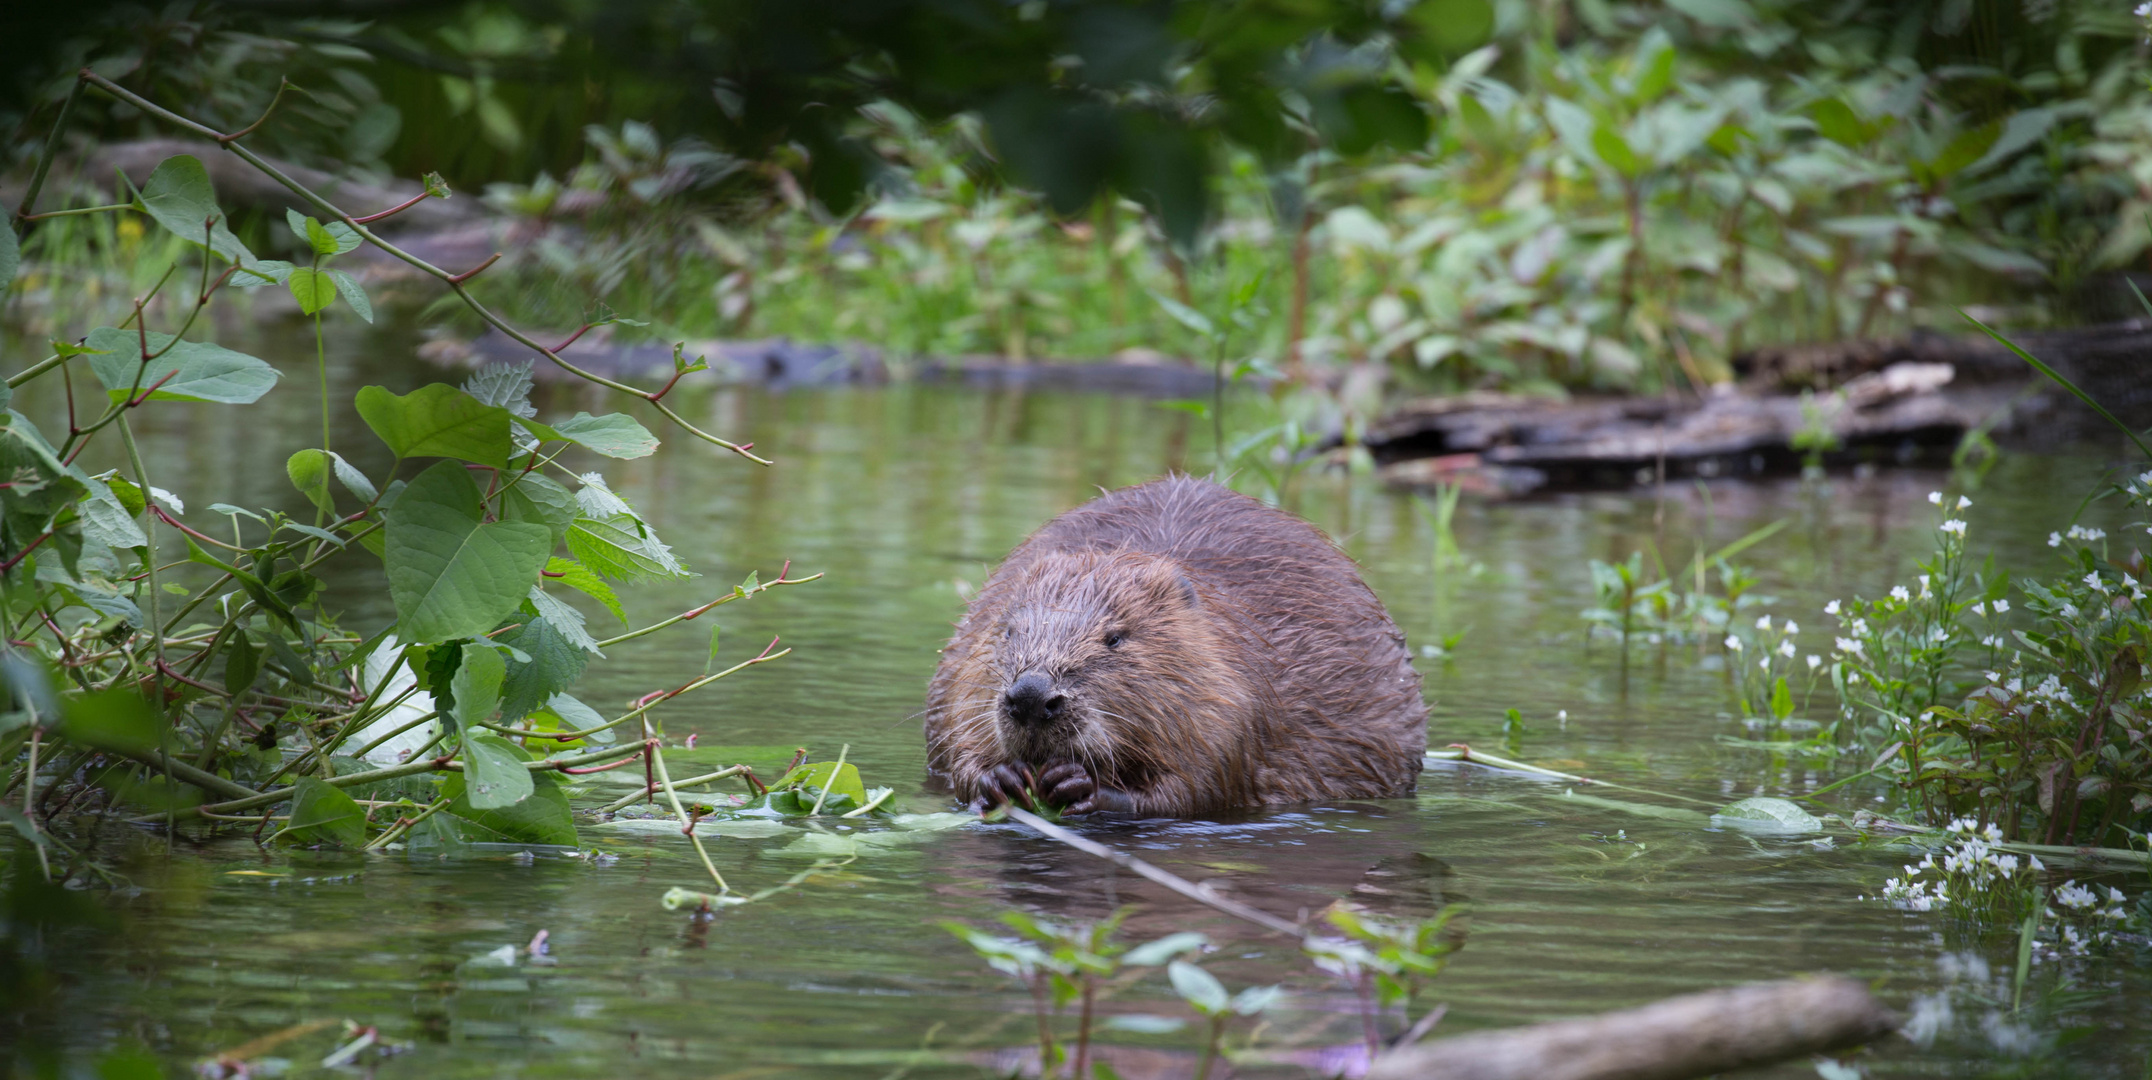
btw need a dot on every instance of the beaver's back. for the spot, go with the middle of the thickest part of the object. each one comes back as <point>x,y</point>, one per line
<point>1351,720</point>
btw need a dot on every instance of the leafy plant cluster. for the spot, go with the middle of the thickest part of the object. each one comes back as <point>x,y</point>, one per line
<point>187,666</point>
<point>1388,963</point>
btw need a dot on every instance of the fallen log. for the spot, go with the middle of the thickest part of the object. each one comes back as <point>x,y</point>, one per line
<point>1690,1036</point>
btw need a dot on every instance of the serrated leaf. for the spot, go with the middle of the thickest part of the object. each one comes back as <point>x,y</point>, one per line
<point>616,435</point>
<point>554,664</point>
<point>507,385</point>
<point>179,197</point>
<point>321,814</point>
<point>437,420</point>
<point>565,619</point>
<point>535,498</point>
<point>493,771</point>
<point>349,289</point>
<point>610,539</point>
<point>313,289</point>
<point>188,370</point>
<point>453,574</point>
<point>580,578</point>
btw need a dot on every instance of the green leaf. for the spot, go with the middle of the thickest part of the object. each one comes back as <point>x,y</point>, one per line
<point>1771,815</point>
<point>565,620</point>
<point>1154,953</point>
<point>1781,699</point>
<point>451,573</point>
<point>555,663</point>
<point>579,577</point>
<point>1969,146</point>
<point>353,480</point>
<point>1614,150</point>
<point>41,487</point>
<point>1836,121</point>
<point>1186,316</point>
<point>333,238</point>
<point>616,435</point>
<point>10,255</point>
<point>116,720</point>
<point>321,814</point>
<point>1256,999</point>
<point>242,663</point>
<point>711,663</point>
<point>535,498</point>
<point>262,272</point>
<point>313,289</point>
<point>437,420</point>
<point>1199,988</point>
<point>610,539</point>
<point>542,818</point>
<point>309,472</point>
<point>187,370</point>
<point>818,775</point>
<point>503,384</point>
<point>349,289</point>
<point>476,685</point>
<point>493,770</point>
<point>179,197</point>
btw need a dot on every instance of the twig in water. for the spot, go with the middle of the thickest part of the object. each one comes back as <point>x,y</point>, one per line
<point>1200,893</point>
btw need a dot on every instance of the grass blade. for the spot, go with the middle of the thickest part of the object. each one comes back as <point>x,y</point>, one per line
<point>2066,384</point>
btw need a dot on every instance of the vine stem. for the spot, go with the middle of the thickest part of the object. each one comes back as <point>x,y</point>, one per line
<point>455,282</point>
<point>687,826</point>
<point>164,730</point>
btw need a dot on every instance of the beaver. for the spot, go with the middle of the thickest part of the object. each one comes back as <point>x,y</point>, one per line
<point>1169,649</point>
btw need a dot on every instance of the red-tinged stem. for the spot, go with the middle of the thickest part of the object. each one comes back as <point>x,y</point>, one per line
<point>575,337</point>
<point>282,86</point>
<point>391,211</point>
<point>10,564</point>
<point>467,275</point>
<point>602,768</point>
<point>153,388</point>
<point>667,389</point>
<point>554,573</point>
<point>158,512</point>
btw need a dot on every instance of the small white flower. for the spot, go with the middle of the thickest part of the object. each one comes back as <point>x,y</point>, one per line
<point>2079,532</point>
<point>2093,580</point>
<point>1898,593</point>
<point>2001,606</point>
<point>1992,676</point>
<point>1814,661</point>
<point>2054,539</point>
<point>1924,586</point>
<point>1935,498</point>
<point>1786,649</point>
<point>1831,608</point>
<point>1849,646</point>
<point>1733,643</point>
<point>1964,502</point>
<point>1792,628</point>
<point>1860,627</point>
<point>1764,664</point>
<point>2069,611</point>
<point>1763,623</point>
<point>1954,526</point>
<point>2033,862</point>
<point>1980,607</point>
<point>2114,894</point>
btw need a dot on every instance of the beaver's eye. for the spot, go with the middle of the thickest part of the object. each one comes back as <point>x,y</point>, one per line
<point>1113,639</point>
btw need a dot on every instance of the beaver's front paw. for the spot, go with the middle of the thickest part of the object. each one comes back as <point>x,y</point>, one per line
<point>1003,785</point>
<point>1067,785</point>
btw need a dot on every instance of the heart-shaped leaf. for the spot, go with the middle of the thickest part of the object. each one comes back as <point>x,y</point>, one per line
<point>178,196</point>
<point>437,420</point>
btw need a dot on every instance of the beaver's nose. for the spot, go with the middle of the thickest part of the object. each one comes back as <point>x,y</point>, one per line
<point>1032,699</point>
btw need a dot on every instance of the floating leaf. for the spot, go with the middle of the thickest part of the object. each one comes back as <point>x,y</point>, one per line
<point>1768,815</point>
<point>452,574</point>
<point>185,370</point>
<point>321,814</point>
<point>493,771</point>
<point>543,817</point>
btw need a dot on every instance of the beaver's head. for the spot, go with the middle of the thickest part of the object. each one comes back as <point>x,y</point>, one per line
<point>1114,660</point>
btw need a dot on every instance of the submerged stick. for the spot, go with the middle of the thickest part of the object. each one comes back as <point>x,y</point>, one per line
<point>1689,1036</point>
<point>1200,893</point>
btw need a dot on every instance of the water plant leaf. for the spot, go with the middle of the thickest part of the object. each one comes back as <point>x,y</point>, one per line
<point>452,574</point>
<point>610,539</point>
<point>580,578</point>
<point>349,288</point>
<point>1772,815</point>
<point>817,775</point>
<point>616,435</point>
<point>242,663</point>
<point>10,256</point>
<point>179,197</point>
<point>1154,953</point>
<point>437,420</point>
<point>309,472</point>
<point>186,370</point>
<point>116,720</point>
<point>564,619</point>
<point>331,238</point>
<point>313,289</point>
<point>1186,316</point>
<point>323,814</point>
<point>539,499</point>
<point>476,685</point>
<point>543,817</point>
<point>1199,988</point>
<point>262,272</point>
<point>493,770</point>
<point>353,480</point>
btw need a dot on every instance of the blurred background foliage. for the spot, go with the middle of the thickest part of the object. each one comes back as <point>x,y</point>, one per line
<point>1542,195</point>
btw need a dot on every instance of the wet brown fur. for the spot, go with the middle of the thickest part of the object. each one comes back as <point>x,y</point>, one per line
<point>1256,667</point>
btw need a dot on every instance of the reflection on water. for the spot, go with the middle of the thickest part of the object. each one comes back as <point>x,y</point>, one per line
<point>905,496</point>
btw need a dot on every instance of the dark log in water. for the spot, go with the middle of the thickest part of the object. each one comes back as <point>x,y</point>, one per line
<point>1850,404</point>
<point>1694,1035</point>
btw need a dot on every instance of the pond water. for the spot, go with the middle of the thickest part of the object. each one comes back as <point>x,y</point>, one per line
<point>904,497</point>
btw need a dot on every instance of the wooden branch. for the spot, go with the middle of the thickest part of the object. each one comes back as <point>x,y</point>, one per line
<point>1690,1036</point>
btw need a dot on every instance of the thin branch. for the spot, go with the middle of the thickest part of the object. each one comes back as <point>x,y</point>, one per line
<point>281,86</point>
<point>1201,893</point>
<point>52,149</point>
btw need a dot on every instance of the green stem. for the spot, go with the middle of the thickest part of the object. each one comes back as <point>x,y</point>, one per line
<point>657,761</point>
<point>831,782</point>
<point>164,726</point>
<point>52,150</point>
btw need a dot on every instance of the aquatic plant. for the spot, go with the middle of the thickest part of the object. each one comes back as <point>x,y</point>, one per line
<point>1388,963</point>
<point>204,680</point>
<point>1208,997</point>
